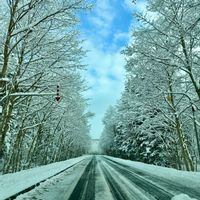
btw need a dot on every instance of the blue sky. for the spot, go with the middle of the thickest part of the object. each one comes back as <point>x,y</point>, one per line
<point>107,29</point>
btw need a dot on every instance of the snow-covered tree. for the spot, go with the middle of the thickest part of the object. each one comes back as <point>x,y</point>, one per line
<point>40,50</point>
<point>108,134</point>
<point>159,107</point>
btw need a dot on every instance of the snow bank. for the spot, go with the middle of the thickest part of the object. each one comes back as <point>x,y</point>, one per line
<point>182,197</point>
<point>11,184</point>
<point>184,178</point>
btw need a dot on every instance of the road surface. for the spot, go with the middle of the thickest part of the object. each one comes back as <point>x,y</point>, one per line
<point>101,178</point>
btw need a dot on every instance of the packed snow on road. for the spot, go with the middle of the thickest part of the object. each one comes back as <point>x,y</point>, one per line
<point>98,177</point>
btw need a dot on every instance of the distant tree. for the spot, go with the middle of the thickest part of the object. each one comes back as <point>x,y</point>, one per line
<point>108,134</point>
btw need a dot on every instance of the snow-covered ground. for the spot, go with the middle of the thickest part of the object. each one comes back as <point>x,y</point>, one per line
<point>182,197</point>
<point>61,186</point>
<point>184,178</point>
<point>11,184</point>
<point>189,179</point>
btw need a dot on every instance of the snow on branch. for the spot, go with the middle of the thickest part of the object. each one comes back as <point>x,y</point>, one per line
<point>32,25</point>
<point>26,94</point>
<point>4,79</point>
<point>30,127</point>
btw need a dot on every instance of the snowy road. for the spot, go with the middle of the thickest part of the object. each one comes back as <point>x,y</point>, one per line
<point>85,188</point>
<point>99,177</point>
<point>140,186</point>
<point>150,186</point>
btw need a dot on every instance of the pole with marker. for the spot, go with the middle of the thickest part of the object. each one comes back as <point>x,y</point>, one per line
<point>57,97</point>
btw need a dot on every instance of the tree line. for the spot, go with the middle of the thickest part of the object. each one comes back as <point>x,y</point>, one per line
<point>40,49</point>
<point>156,120</point>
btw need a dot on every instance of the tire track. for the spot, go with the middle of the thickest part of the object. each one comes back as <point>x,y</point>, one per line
<point>152,189</point>
<point>85,188</point>
<point>115,189</point>
<point>166,184</point>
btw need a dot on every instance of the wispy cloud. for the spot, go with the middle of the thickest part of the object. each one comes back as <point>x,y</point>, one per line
<point>106,30</point>
<point>121,36</point>
<point>103,67</point>
<point>103,17</point>
<point>106,77</point>
<point>139,6</point>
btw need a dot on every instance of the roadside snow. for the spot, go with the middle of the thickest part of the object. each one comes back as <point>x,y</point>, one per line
<point>182,197</point>
<point>59,187</point>
<point>184,178</point>
<point>11,184</point>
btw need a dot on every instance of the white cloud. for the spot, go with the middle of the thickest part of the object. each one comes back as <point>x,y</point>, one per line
<point>128,4</point>
<point>103,17</point>
<point>121,36</point>
<point>107,83</point>
<point>139,6</point>
<point>104,62</point>
<point>105,74</point>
